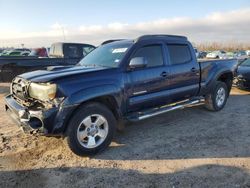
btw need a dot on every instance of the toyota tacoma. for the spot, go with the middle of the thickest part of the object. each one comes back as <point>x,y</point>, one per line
<point>125,80</point>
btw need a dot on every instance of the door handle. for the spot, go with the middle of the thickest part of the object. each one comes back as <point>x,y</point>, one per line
<point>193,70</point>
<point>163,74</point>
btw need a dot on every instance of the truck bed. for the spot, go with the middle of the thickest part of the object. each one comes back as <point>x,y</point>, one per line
<point>13,66</point>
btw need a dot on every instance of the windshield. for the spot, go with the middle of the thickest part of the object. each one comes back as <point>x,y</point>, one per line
<point>109,55</point>
<point>246,63</point>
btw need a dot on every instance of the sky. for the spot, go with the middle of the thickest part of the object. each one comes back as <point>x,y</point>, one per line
<point>40,23</point>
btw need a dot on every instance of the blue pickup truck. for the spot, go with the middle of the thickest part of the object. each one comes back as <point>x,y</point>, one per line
<point>120,81</point>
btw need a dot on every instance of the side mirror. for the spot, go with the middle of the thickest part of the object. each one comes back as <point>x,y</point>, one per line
<point>138,62</point>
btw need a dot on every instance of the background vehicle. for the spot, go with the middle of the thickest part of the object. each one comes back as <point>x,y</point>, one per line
<point>196,52</point>
<point>248,52</point>
<point>229,55</point>
<point>242,79</point>
<point>124,80</point>
<point>216,54</point>
<point>61,54</point>
<point>12,53</point>
<point>241,55</point>
<point>16,52</point>
<point>39,52</point>
<point>25,53</point>
<point>202,54</point>
<point>3,52</point>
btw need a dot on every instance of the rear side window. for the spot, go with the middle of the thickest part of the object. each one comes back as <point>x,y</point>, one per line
<point>152,53</point>
<point>179,53</point>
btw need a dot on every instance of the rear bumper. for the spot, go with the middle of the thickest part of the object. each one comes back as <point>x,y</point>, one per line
<point>48,122</point>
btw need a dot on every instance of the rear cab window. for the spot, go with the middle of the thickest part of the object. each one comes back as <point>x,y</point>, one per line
<point>74,51</point>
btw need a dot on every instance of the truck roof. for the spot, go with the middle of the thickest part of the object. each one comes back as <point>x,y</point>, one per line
<point>70,43</point>
<point>148,37</point>
<point>110,41</point>
<point>161,36</point>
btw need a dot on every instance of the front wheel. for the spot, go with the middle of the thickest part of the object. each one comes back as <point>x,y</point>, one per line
<point>216,100</point>
<point>91,129</point>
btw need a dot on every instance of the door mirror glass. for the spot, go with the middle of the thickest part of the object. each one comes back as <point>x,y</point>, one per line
<point>138,62</point>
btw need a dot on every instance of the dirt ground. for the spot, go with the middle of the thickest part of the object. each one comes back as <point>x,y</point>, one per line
<point>185,148</point>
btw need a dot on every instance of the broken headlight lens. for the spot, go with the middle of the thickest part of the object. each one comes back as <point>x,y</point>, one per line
<point>43,92</point>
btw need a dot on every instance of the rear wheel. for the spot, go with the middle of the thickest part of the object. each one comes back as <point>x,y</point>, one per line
<point>217,99</point>
<point>91,129</point>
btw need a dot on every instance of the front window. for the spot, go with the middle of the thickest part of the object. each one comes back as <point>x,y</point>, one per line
<point>109,55</point>
<point>152,53</point>
<point>15,53</point>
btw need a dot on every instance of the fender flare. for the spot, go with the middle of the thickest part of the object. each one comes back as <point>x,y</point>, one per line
<point>206,87</point>
<point>93,92</point>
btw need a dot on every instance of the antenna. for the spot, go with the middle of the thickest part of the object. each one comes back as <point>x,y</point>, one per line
<point>63,33</point>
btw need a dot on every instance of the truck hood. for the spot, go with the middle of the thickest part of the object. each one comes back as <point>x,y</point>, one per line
<point>56,73</point>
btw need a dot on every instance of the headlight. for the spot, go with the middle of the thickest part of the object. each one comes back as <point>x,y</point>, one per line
<point>42,92</point>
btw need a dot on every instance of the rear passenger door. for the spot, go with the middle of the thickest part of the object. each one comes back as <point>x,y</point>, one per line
<point>148,85</point>
<point>184,71</point>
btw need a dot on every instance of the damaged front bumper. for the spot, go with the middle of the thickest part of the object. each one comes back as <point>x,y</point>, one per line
<point>46,122</point>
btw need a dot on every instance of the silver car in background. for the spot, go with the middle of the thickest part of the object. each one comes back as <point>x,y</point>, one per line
<point>219,54</point>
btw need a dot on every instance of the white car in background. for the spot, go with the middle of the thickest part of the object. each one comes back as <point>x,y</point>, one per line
<point>219,54</point>
<point>229,55</point>
<point>248,52</point>
<point>196,52</point>
<point>241,55</point>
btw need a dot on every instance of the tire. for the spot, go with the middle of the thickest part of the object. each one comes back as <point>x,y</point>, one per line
<point>216,100</point>
<point>91,129</point>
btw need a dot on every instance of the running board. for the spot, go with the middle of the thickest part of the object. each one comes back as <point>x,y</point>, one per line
<point>157,111</point>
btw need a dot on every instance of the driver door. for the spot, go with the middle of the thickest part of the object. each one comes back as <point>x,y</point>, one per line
<point>148,85</point>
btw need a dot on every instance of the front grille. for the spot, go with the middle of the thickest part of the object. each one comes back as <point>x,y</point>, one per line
<point>19,90</point>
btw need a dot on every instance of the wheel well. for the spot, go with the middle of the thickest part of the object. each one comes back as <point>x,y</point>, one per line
<point>227,78</point>
<point>109,102</point>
